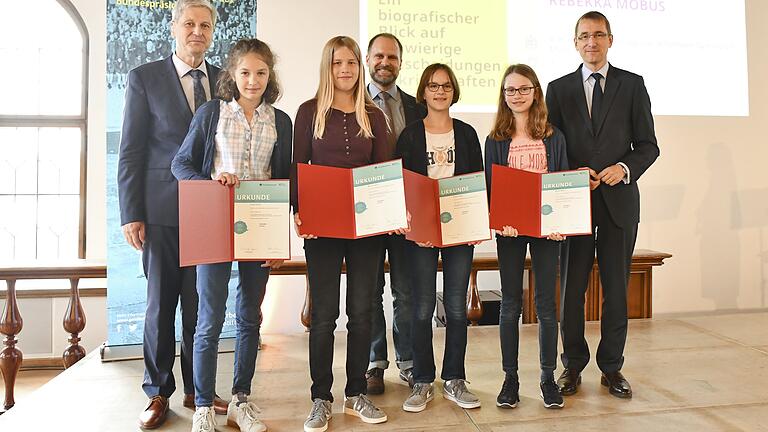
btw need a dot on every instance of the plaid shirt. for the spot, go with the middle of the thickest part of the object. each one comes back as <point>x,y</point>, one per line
<point>244,149</point>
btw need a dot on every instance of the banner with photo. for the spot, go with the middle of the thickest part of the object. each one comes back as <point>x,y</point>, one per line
<point>138,32</point>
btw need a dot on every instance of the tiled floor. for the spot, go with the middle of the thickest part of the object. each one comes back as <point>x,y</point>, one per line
<point>701,373</point>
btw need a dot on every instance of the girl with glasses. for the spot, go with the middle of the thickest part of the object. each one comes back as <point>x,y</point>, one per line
<point>522,138</point>
<point>439,147</point>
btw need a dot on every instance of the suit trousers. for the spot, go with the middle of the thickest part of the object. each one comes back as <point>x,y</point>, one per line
<point>400,284</point>
<point>167,283</point>
<point>324,259</point>
<point>614,246</point>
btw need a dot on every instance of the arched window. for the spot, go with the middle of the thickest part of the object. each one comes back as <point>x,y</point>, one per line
<point>43,123</point>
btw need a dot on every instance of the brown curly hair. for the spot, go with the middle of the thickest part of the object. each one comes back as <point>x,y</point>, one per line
<point>227,88</point>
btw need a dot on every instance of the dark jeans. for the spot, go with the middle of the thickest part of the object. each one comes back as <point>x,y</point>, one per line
<point>544,257</point>
<point>399,282</point>
<point>213,289</point>
<point>324,258</point>
<point>614,246</point>
<point>457,264</point>
<point>167,283</point>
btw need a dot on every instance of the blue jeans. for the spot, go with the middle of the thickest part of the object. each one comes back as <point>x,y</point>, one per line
<point>457,265</point>
<point>544,257</point>
<point>212,287</point>
<point>400,284</point>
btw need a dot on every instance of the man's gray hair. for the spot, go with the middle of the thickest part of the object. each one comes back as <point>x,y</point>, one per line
<point>183,4</point>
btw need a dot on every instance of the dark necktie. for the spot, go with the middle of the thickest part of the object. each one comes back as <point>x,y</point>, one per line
<point>597,100</point>
<point>199,92</point>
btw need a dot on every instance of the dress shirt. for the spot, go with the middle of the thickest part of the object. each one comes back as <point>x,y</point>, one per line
<point>589,88</point>
<point>398,124</point>
<point>188,83</point>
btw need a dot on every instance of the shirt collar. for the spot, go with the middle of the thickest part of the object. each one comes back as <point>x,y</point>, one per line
<point>261,111</point>
<point>183,68</point>
<point>374,91</point>
<point>586,73</point>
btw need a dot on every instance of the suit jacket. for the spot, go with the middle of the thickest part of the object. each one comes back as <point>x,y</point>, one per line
<point>412,147</point>
<point>155,122</point>
<point>194,161</point>
<point>625,133</point>
<point>413,110</point>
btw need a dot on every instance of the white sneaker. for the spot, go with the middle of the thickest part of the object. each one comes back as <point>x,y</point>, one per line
<point>204,420</point>
<point>244,416</point>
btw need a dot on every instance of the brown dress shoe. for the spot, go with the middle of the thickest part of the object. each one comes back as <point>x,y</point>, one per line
<point>219,405</point>
<point>155,413</point>
<point>375,381</point>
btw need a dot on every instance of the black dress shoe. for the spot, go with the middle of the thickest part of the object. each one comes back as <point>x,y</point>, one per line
<point>617,384</point>
<point>569,382</point>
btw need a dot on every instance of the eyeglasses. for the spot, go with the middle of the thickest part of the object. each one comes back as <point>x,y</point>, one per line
<point>433,87</point>
<point>597,35</point>
<point>510,91</point>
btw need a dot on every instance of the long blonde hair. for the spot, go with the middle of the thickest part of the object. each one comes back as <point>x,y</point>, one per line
<point>326,89</point>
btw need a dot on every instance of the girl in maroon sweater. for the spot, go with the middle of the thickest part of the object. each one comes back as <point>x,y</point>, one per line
<point>339,127</point>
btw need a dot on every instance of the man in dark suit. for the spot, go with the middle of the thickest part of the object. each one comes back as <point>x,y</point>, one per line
<point>384,59</point>
<point>605,114</point>
<point>159,102</point>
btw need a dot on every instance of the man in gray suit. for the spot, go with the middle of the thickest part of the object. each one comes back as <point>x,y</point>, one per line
<point>384,59</point>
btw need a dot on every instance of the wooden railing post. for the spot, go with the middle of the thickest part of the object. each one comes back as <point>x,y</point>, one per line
<point>74,323</point>
<point>474,305</point>
<point>10,357</point>
<point>306,309</point>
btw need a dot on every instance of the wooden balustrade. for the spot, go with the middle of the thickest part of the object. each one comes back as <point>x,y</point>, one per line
<point>11,322</point>
<point>638,298</point>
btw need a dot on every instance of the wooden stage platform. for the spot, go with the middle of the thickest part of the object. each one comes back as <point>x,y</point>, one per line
<point>698,373</point>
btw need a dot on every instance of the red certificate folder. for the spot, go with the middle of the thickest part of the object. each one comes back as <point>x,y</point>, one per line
<point>422,198</point>
<point>327,201</point>
<point>206,223</point>
<point>516,200</point>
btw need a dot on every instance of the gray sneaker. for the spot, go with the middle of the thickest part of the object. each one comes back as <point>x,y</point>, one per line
<point>318,418</point>
<point>362,407</point>
<point>456,390</point>
<point>420,395</point>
